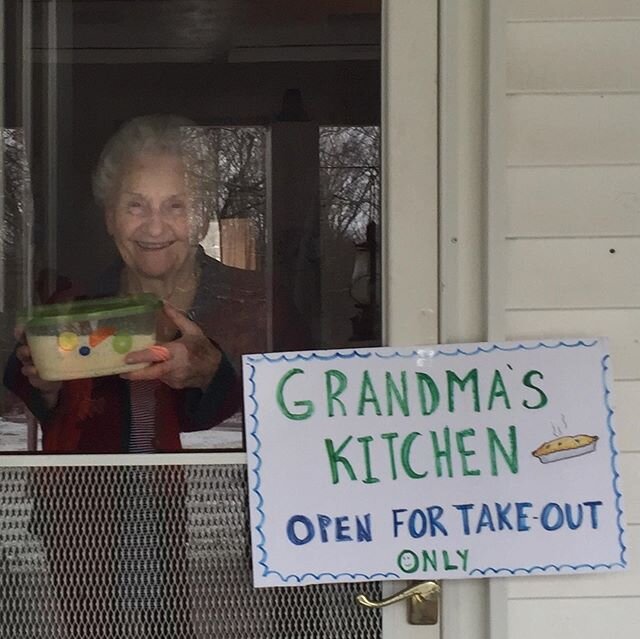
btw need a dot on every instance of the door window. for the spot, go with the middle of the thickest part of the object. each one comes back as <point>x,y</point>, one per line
<point>279,117</point>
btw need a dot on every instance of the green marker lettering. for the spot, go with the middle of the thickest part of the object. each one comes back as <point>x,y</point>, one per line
<point>308,404</point>
<point>390,437</point>
<point>332,393</point>
<point>442,451</point>
<point>429,560</point>
<point>335,458</point>
<point>405,454</point>
<point>453,380</point>
<point>365,441</point>
<point>526,380</point>
<point>511,457</point>
<point>427,408</point>
<point>393,391</point>
<point>464,453</point>
<point>368,395</point>
<point>498,390</point>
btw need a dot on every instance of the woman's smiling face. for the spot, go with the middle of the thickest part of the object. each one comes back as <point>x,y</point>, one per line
<point>149,219</point>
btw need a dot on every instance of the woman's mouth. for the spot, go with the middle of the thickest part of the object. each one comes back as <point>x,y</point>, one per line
<point>153,246</point>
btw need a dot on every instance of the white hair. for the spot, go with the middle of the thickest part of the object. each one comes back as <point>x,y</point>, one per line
<point>144,134</point>
<point>171,134</point>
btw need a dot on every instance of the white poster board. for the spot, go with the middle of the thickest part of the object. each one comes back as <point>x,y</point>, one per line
<point>456,461</point>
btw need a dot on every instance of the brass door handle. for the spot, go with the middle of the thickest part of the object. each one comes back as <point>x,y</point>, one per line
<point>422,602</point>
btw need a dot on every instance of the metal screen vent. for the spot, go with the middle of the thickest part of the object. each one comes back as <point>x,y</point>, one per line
<point>125,552</point>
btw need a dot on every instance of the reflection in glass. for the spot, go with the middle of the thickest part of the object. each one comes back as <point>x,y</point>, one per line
<point>18,428</point>
<point>350,179</point>
<point>350,198</point>
<point>17,218</point>
<point>237,231</point>
<point>286,148</point>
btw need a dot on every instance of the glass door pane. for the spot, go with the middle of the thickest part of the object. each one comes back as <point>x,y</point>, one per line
<point>286,103</point>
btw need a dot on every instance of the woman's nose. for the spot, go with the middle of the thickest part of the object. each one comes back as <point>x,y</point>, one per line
<point>154,222</point>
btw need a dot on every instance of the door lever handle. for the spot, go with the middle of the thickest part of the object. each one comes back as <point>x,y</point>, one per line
<point>422,602</point>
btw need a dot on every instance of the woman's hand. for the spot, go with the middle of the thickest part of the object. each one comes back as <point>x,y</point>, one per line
<point>49,390</point>
<point>191,361</point>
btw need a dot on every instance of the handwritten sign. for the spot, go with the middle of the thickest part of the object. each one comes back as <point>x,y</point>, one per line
<point>473,460</point>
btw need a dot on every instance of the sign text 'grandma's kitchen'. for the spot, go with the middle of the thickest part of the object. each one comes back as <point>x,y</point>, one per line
<point>456,461</point>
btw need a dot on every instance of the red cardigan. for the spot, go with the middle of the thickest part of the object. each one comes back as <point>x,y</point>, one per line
<point>94,416</point>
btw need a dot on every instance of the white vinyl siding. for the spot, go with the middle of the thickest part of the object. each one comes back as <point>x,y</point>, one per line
<point>572,252</point>
<point>569,201</point>
<point>621,324</point>
<point>618,585</point>
<point>573,130</point>
<point>573,56</point>
<point>572,10</point>
<point>573,273</point>
<point>573,618</point>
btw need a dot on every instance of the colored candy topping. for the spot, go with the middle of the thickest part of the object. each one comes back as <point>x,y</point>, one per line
<point>100,334</point>
<point>67,341</point>
<point>122,342</point>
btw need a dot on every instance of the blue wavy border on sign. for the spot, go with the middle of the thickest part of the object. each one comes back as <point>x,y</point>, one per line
<point>292,357</point>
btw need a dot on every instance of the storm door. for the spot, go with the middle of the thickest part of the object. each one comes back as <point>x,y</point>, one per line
<point>316,123</point>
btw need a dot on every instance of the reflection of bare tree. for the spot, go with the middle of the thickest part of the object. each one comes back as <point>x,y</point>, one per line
<point>16,226</point>
<point>16,193</point>
<point>226,171</point>
<point>350,179</point>
<point>241,173</point>
<point>350,176</point>
<point>17,219</point>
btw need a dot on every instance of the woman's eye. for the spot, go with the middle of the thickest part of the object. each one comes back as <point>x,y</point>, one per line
<point>177,207</point>
<point>135,207</point>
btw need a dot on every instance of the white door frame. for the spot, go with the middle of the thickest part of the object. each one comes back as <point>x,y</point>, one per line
<point>410,205</point>
<point>472,223</point>
<point>496,207</point>
<point>410,171</point>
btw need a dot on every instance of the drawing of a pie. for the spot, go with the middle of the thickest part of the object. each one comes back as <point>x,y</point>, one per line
<point>565,447</point>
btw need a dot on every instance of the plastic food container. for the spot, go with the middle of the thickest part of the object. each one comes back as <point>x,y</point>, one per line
<point>90,338</point>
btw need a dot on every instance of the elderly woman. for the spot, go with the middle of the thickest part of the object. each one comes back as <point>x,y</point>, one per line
<point>148,183</point>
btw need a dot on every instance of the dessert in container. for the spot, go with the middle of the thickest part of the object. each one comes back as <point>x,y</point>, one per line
<point>90,338</point>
